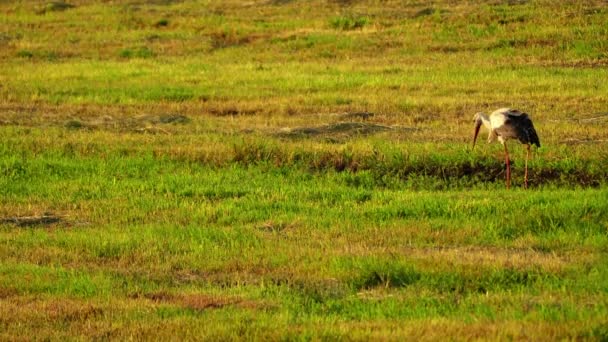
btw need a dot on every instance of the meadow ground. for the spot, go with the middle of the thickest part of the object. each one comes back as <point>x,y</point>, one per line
<point>292,169</point>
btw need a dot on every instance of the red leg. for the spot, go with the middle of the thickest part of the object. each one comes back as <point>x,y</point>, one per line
<point>526,173</point>
<point>507,161</point>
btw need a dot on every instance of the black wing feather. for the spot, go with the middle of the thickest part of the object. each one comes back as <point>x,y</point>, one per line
<point>525,129</point>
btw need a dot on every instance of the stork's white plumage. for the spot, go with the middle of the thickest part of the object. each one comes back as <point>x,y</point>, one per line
<point>504,124</point>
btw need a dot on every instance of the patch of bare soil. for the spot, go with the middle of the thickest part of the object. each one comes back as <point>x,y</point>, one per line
<point>54,6</point>
<point>27,221</point>
<point>200,301</point>
<point>337,131</point>
<point>356,115</point>
<point>141,123</point>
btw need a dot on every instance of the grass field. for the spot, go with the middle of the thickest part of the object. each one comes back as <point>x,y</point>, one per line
<point>301,170</point>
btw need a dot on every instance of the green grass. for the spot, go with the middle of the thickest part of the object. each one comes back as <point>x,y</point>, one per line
<point>218,174</point>
<point>293,244</point>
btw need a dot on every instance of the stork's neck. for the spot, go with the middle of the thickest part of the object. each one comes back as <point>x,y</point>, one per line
<point>483,118</point>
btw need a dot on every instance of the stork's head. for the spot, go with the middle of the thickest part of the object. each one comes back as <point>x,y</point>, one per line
<point>478,121</point>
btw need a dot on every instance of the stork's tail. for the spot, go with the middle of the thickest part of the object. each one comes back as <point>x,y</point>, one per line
<point>534,138</point>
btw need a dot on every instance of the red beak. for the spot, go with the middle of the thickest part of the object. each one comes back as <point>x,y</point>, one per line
<point>477,126</point>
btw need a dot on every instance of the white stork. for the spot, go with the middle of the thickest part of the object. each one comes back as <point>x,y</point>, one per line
<point>505,124</point>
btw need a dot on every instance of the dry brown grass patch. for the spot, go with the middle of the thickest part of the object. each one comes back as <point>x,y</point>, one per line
<point>518,258</point>
<point>23,309</point>
<point>438,329</point>
<point>201,302</point>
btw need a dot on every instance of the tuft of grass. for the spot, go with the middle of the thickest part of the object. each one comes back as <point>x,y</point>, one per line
<point>229,38</point>
<point>55,6</point>
<point>380,273</point>
<point>25,54</point>
<point>162,23</point>
<point>347,23</point>
<point>141,52</point>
